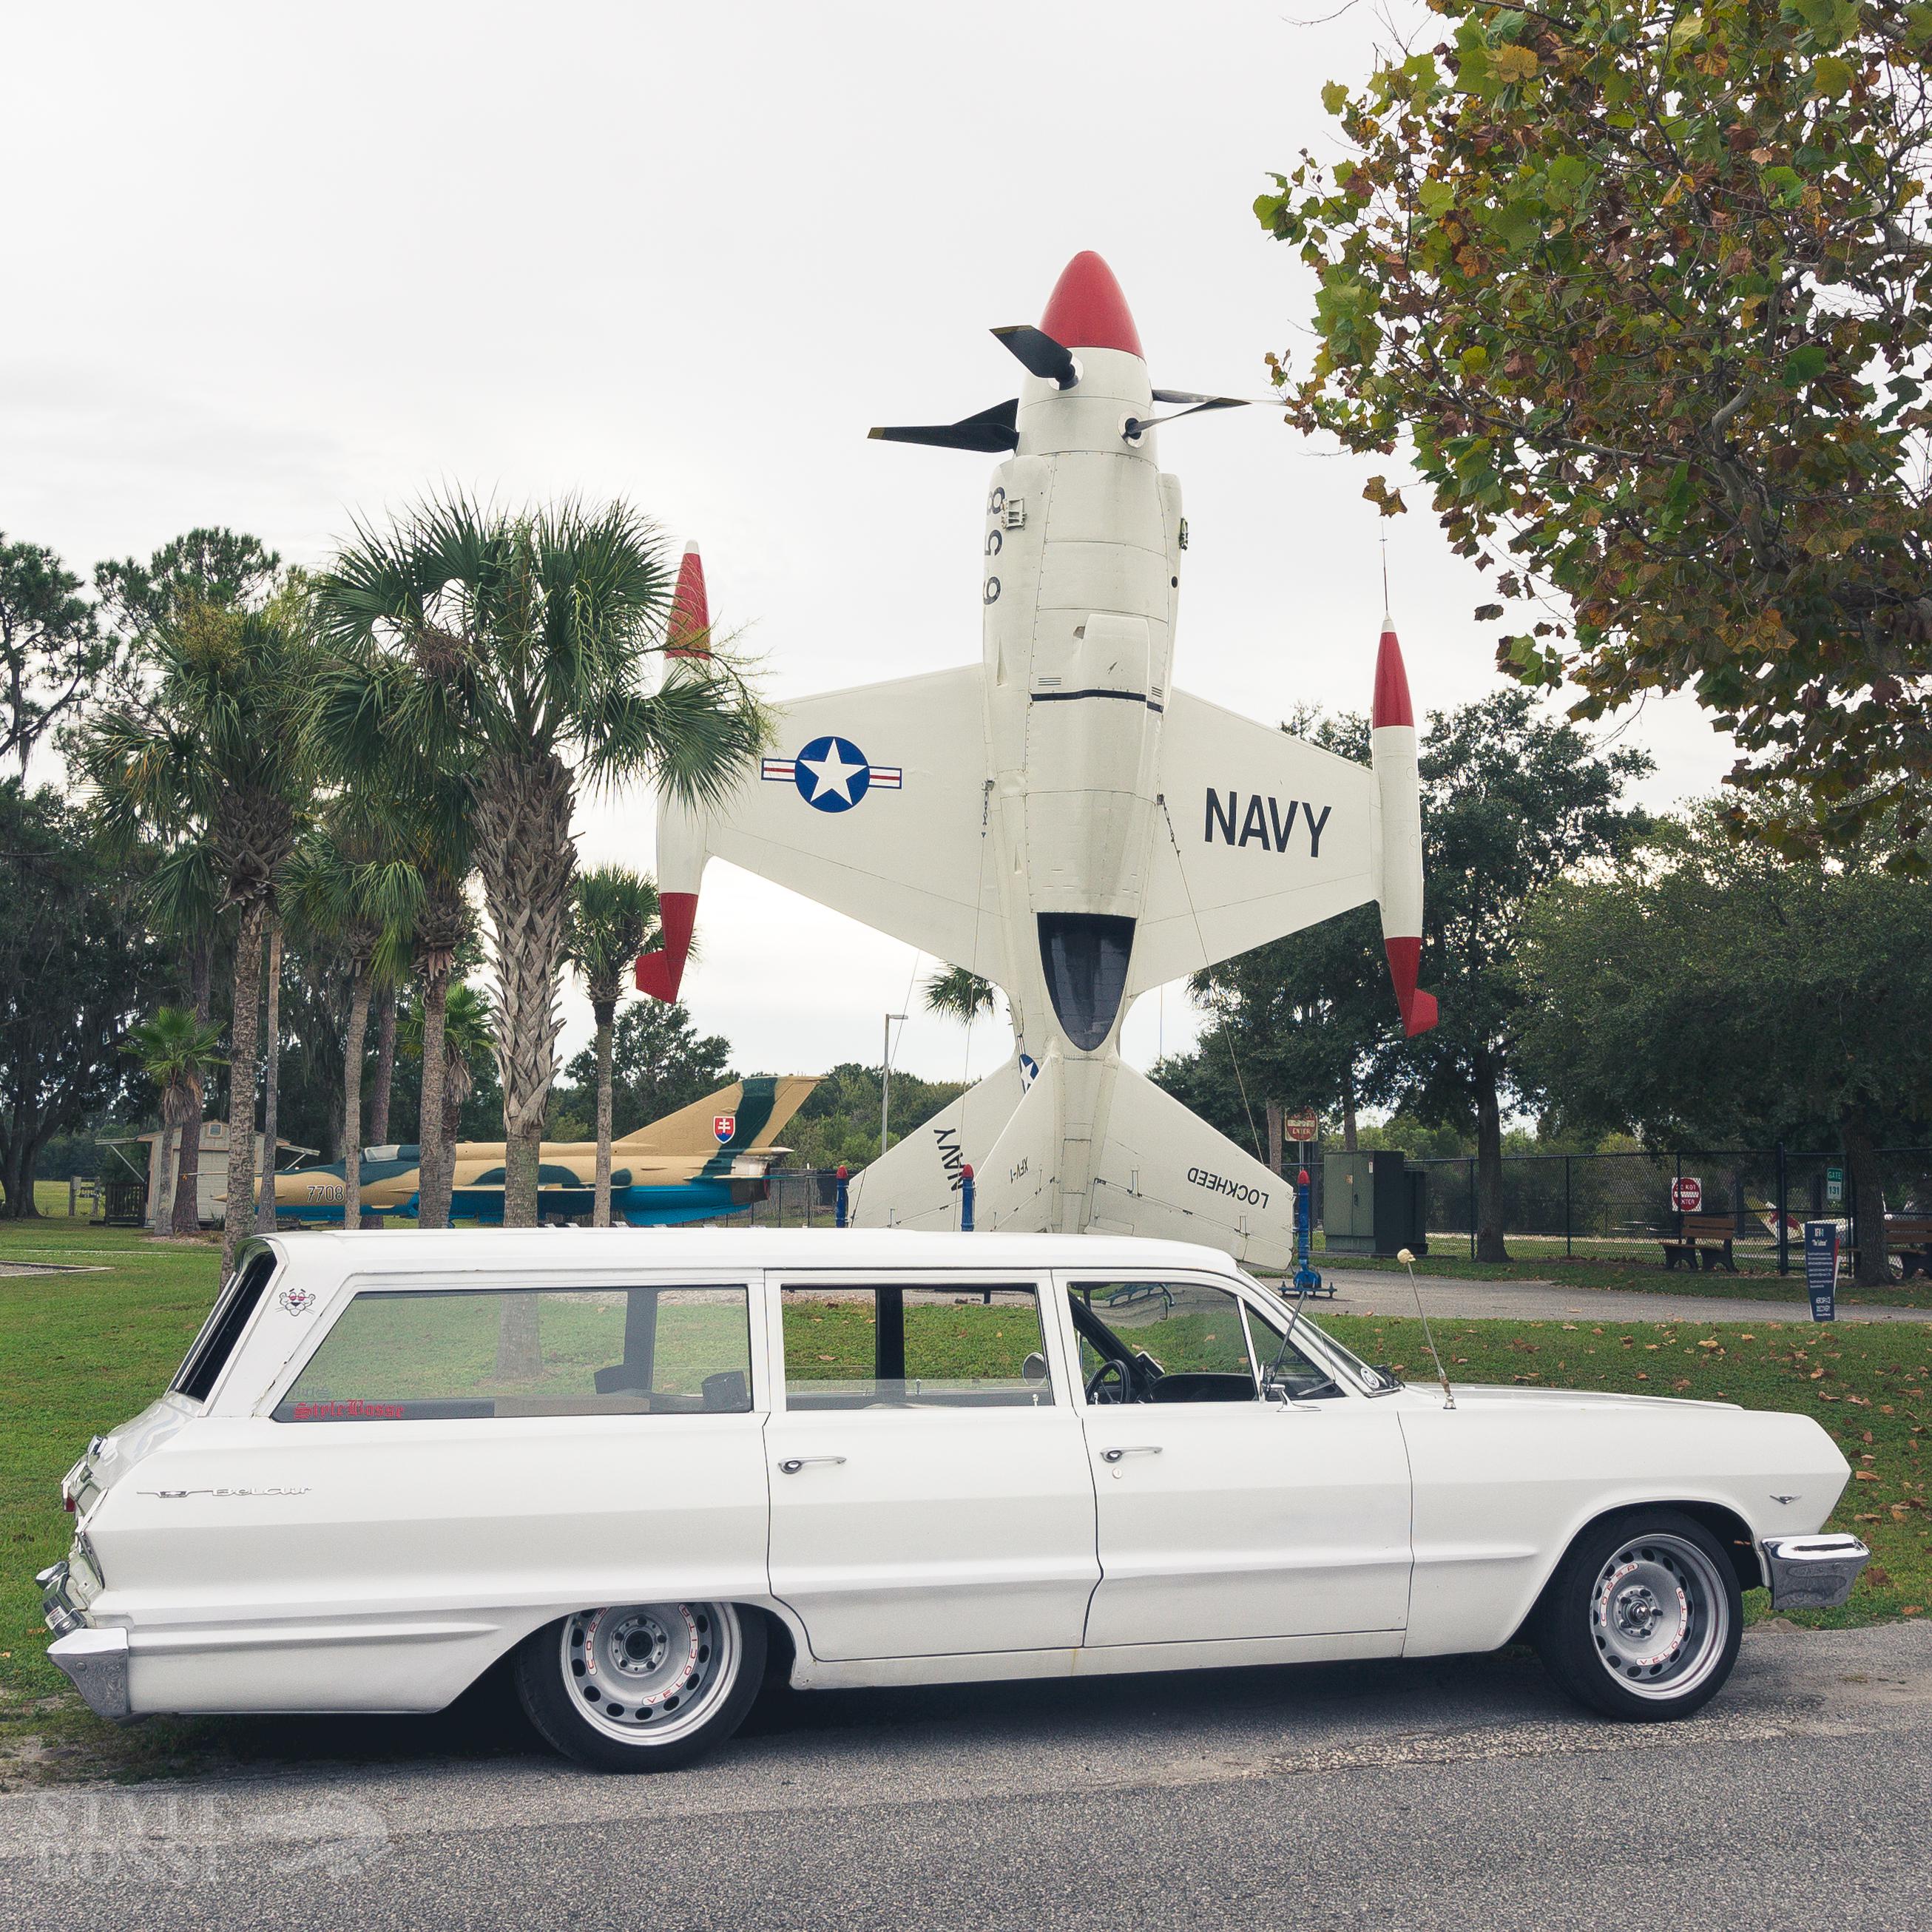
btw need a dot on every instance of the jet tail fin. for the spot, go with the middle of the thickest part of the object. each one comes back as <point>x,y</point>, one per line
<point>751,1113</point>
<point>920,1182</point>
<point>1163,1171</point>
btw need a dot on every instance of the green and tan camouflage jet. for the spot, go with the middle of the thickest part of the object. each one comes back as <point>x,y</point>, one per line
<point>710,1158</point>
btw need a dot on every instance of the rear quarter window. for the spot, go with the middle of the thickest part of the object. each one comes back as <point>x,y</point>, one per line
<point>216,1343</point>
<point>438,1354</point>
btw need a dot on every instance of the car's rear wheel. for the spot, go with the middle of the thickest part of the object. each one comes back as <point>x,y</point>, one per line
<point>1643,1617</point>
<point>642,1686</point>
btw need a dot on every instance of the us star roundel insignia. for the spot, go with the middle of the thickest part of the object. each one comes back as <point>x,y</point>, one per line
<point>831,774</point>
<point>724,1126</point>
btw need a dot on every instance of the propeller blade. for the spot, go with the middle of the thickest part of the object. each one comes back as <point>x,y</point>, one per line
<point>1195,400</point>
<point>989,431</point>
<point>1039,354</point>
<point>1196,404</point>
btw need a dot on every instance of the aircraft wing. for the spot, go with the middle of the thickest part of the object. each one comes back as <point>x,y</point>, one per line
<point>873,802</point>
<point>1262,835</point>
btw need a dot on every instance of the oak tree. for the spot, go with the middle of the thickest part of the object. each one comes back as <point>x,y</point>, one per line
<point>1647,288</point>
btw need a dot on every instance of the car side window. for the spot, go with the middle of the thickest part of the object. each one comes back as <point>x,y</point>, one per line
<point>853,1345</point>
<point>426,1355</point>
<point>1184,1327</point>
<point>1151,1340</point>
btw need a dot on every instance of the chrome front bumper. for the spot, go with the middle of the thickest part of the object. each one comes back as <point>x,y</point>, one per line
<point>94,1657</point>
<point>1813,1573</point>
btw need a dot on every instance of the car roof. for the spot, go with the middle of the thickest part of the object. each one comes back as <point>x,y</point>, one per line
<point>438,1250</point>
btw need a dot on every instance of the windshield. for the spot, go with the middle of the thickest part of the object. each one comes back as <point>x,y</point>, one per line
<point>1375,1381</point>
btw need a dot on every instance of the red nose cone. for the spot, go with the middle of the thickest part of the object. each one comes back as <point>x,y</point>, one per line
<point>1087,310</point>
<point>690,611</point>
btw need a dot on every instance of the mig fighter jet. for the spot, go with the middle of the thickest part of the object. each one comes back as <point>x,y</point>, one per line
<point>710,1158</point>
<point>1059,819</point>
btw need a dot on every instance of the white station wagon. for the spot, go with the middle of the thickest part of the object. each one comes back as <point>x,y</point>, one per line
<point>659,1466</point>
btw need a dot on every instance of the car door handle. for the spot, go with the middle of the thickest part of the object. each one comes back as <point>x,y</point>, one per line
<point>1134,1449</point>
<point>792,1464</point>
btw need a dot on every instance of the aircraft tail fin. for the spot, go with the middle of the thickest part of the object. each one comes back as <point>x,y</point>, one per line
<point>1163,1171</point>
<point>746,1116</point>
<point>920,1182</point>
<point>1160,1170</point>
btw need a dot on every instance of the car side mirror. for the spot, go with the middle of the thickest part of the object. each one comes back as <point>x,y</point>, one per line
<point>1034,1368</point>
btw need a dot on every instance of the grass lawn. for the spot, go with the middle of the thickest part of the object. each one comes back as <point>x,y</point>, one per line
<point>1755,1280</point>
<point>1866,1385</point>
<point>81,1352</point>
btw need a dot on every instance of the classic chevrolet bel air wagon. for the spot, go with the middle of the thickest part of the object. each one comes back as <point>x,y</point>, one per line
<point>661,1466</point>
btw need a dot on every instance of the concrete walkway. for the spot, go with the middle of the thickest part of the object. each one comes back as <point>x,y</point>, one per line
<point>1362,1291</point>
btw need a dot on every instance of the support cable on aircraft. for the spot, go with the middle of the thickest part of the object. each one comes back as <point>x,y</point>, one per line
<point>1234,1058</point>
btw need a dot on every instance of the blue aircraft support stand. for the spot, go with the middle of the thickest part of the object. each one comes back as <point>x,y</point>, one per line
<point>1306,1281</point>
<point>842,1206</point>
<point>966,1199</point>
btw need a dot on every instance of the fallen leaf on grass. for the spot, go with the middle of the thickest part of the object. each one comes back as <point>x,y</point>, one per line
<point>1865,1475</point>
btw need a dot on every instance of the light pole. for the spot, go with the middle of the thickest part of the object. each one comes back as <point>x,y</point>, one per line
<point>886,1084</point>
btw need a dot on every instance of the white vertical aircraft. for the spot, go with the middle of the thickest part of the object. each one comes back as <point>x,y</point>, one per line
<point>1059,819</point>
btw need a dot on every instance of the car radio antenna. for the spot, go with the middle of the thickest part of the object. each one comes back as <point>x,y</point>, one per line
<point>1407,1260</point>
<point>1287,1339</point>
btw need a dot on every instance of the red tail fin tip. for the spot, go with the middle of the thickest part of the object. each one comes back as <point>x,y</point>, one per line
<point>660,974</point>
<point>1418,1008</point>
<point>1392,705</point>
<point>689,635</point>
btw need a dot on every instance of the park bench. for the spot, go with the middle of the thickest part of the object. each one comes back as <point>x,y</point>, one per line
<point>1909,1237</point>
<point>1707,1236</point>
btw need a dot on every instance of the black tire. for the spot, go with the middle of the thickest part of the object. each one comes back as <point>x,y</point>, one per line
<point>1642,1618</point>
<point>642,1686</point>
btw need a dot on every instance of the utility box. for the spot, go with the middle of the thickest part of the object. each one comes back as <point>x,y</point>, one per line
<point>1374,1203</point>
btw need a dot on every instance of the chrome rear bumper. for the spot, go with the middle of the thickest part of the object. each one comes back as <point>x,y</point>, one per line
<point>1813,1573</point>
<point>95,1658</point>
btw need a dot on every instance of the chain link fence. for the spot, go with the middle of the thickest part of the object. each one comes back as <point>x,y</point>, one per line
<point>1619,1206</point>
<point>1613,1206</point>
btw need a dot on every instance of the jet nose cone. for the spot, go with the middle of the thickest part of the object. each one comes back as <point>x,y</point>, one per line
<point>1087,310</point>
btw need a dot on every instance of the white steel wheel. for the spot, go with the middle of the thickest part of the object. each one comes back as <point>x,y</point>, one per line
<point>1659,1615</point>
<point>638,1686</point>
<point>1643,1616</point>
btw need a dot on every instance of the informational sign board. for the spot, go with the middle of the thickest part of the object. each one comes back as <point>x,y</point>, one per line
<point>1304,1127</point>
<point>1835,1186</point>
<point>1821,1269</point>
<point>1687,1194</point>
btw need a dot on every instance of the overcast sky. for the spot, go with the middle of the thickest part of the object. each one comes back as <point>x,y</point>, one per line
<point>275,266</point>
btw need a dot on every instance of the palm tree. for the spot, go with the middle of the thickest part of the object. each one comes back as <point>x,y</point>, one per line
<point>386,1065</point>
<point>956,993</point>
<point>175,1049</point>
<point>347,888</point>
<point>521,644</point>
<point>440,849</point>
<point>181,899</point>
<point>469,1038</point>
<point>217,744</point>
<point>611,923</point>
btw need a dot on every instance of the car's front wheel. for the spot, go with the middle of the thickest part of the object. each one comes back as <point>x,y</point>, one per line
<point>642,1686</point>
<point>1643,1617</point>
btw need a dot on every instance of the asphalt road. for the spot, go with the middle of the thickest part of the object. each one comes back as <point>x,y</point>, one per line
<point>1365,1291</point>
<point>1456,1793</point>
